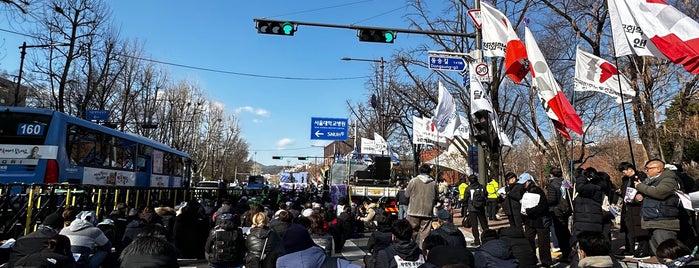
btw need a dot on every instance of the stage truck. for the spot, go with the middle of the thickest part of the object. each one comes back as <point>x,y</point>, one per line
<point>359,180</point>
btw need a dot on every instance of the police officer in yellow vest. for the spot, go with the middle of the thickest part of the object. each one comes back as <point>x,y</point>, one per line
<point>492,202</point>
<point>462,190</point>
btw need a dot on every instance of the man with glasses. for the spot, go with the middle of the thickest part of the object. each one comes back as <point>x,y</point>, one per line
<point>659,210</point>
<point>631,213</point>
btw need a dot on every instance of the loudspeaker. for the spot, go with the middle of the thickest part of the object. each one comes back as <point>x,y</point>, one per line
<point>382,168</point>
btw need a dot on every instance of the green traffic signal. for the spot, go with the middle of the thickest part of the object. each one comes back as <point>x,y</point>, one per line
<point>275,27</point>
<point>288,28</point>
<point>376,35</point>
<point>389,35</point>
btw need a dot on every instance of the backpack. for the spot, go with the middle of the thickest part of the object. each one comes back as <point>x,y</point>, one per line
<point>565,203</point>
<point>223,246</point>
<point>478,199</point>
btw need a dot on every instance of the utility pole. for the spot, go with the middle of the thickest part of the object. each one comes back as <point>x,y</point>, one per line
<point>23,53</point>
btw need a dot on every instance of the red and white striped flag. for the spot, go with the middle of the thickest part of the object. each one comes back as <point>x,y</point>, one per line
<point>593,73</point>
<point>500,40</point>
<point>672,32</point>
<point>557,107</point>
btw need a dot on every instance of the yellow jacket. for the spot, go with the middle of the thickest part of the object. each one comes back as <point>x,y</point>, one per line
<point>492,188</point>
<point>462,190</point>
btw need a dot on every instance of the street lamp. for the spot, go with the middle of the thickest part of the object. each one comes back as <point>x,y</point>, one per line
<point>376,103</point>
<point>21,65</point>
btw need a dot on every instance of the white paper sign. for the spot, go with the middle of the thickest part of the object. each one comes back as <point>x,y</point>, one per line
<point>630,195</point>
<point>529,200</point>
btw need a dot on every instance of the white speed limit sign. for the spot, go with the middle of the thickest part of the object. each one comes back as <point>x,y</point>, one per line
<point>482,71</point>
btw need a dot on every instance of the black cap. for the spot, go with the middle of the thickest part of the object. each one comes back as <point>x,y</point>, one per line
<point>53,220</point>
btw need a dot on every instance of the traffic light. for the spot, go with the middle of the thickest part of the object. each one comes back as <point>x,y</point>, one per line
<point>484,132</point>
<point>277,157</point>
<point>481,127</point>
<point>275,27</point>
<point>301,158</point>
<point>374,35</point>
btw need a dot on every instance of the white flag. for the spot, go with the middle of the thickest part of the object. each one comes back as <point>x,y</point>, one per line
<point>673,33</point>
<point>445,109</point>
<point>593,73</point>
<point>627,33</point>
<point>380,144</point>
<point>368,146</point>
<point>500,40</point>
<point>424,132</point>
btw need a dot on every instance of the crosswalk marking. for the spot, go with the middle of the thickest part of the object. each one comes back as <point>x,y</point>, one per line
<point>352,252</point>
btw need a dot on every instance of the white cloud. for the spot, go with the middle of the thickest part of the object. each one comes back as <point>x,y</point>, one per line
<point>252,110</point>
<point>284,142</point>
<point>256,121</point>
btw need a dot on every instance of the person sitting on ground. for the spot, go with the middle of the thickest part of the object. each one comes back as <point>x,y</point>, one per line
<point>319,233</point>
<point>673,253</point>
<point>448,230</point>
<point>379,239</point>
<point>521,248</point>
<point>369,213</point>
<point>225,246</point>
<point>147,252</point>
<point>281,222</point>
<point>87,240</point>
<point>56,253</point>
<point>263,244</point>
<point>593,251</point>
<point>301,252</point>
<point>35,241</point>
<point>403,250</point>
<point>494,252</point>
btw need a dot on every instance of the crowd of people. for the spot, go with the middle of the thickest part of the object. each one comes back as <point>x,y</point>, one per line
<point>302,229</point>
<point>576,218</point>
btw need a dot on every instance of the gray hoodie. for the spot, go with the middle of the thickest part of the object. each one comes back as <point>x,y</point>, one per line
<point>83,234</point>
<point>422,191</point>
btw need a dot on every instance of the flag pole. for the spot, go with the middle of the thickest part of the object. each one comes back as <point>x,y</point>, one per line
<point>623,109</point>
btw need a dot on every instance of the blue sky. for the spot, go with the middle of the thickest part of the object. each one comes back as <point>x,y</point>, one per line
<point>275,114</point>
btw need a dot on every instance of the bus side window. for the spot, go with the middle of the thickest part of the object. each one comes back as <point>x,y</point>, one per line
<point>141,164</point>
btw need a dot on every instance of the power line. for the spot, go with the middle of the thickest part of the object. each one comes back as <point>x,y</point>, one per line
<point>319,9</point>
<point>215,70</point>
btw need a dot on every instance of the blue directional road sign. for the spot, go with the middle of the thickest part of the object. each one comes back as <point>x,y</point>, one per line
<point>98,115</point>
<point>446,62</point>
<point>329,128</point>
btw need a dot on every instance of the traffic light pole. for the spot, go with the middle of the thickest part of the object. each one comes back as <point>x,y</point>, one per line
<point>359,27</point>
<point>482,165</point>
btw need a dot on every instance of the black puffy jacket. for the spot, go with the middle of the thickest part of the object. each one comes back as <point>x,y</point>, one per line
<point>521,248</point>
<point>587,212</point>
<point>255,242</point>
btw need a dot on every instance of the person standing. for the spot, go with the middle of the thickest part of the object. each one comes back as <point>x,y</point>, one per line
<point>631,213</point>
<point>475,200</point>
<point>492,202</point>
<point>659,211</point>
<point>512,206</point>
<point>403,201</point>
<point>536,222</point>
<point>422,191</point>
<point>559,210</point>
<point>462,192</point>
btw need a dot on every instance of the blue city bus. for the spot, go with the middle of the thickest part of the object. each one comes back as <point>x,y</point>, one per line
<point>46,146</point>
<point>256,182</point>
